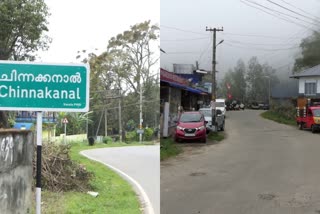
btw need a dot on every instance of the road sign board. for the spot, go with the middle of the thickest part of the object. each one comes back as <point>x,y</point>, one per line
<point>65,120</point>
<point>44,87</point>
<point>140,131</point>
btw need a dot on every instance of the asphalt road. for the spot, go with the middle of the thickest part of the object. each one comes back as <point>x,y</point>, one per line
<point>262,167</point>
<point>141,163</point>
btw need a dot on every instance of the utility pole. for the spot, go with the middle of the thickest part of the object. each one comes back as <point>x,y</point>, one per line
<point>106,122</point>
<point>141,120</point>
<point>214,85</point>
<point>120,124</point>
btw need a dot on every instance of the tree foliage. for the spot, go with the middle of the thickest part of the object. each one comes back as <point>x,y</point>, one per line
<point>310,53</point>
<point>126,65</point>
<point>22,27</point>
<point>23,23</point>
<point>249,83</point>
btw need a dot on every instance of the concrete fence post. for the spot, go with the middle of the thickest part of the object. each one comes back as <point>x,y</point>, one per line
<point>16,153</point>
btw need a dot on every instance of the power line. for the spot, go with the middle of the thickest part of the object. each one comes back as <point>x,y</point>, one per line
<point>272,14</point>
<point>261,49</point>
<point>292,11</point>
<point>178,29</point>
<point>181,40</point>
<point>299,9</point>
<point>208,46</point>
<point>265,44</point>
<point>183,52</point>
<point>228,34</point>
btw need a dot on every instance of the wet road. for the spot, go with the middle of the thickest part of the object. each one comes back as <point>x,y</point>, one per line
<point>262,167</point>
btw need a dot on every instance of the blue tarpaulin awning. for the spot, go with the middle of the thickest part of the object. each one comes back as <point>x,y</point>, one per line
<point>187,88</point>
<point>23,126</point>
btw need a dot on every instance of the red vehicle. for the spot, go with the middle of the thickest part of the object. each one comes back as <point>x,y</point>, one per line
<point>191,126</point>
<point>308,114</point>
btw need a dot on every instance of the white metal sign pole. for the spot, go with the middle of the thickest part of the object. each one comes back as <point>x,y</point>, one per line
<point>65,131</point>
<point>39,148</point>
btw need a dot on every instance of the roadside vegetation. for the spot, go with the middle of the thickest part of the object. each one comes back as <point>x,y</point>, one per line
<point>278,117</point>
<point>216,136</point>
<point>168,148</point>
<point>284,113</point>
<point>115,194</point>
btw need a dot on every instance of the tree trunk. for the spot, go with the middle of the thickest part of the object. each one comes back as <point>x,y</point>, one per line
<point>4,120</point>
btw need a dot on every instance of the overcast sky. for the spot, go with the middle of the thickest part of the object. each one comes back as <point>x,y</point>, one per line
<point>89,24</point>
<point>247,31</point>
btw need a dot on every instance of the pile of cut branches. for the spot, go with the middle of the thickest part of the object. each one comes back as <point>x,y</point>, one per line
<point>59,172</point>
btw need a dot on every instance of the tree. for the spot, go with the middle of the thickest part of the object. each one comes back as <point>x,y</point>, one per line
<point>310,52</point>
<point>23,23</point>
<point>135,46</point>
<point>127,64</point>
<point>234,82</point>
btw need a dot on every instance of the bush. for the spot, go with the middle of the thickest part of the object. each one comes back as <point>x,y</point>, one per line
<point>107,139</point>
<point>91,141</point>
<point>148,134</point>
<point>286,109</point>
<point>131,136</point>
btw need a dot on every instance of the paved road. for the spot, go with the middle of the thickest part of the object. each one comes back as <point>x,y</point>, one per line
<point>261,168</point>
<point>142,163</point>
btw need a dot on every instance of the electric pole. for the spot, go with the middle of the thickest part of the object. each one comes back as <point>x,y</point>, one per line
<point>120,120</point>
<point>140,115</point>
<point>214,85</point>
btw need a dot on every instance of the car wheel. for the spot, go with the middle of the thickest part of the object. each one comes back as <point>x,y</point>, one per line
<point>313,129</point>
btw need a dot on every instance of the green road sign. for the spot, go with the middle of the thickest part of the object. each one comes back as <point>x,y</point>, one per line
<point>44,87</point>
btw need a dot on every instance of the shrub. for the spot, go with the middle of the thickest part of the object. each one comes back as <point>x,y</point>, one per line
<point>148,134</point>
<point>286,109</point>
<point>107,139</point>
<point>131,136</point>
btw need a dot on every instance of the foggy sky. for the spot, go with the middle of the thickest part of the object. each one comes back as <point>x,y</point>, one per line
<point>236,18</point>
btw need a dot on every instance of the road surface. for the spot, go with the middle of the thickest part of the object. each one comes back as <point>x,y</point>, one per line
<point>141,163</point>
<point>262,167</point>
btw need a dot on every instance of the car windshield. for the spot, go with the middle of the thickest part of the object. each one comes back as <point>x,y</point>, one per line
<point>220,104</point>
<point>190,118</point>
<point>316,112</point>
<point>206,112</point>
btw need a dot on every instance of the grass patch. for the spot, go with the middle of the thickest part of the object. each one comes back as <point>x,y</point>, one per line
<point>168,148</point>
<point>277,117</point>
<point>216,136</point>
<point>115,194</point>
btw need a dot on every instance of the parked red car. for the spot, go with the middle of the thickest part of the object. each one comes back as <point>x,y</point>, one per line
<point>191,126</point>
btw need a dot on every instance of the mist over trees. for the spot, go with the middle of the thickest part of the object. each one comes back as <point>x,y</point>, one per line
<point>248,82</point>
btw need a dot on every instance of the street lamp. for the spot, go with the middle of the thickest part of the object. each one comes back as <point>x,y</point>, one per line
<point>269,93</point>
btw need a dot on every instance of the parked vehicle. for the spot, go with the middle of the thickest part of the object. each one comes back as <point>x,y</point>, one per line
<point>221,104</point>
<point>254,105</point>
<point>242,106</point>
<point>191,126</point>
<point>208,115</point>
<point>308,114</point>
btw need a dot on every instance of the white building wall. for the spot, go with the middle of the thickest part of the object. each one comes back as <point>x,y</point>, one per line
<point>304,80</point>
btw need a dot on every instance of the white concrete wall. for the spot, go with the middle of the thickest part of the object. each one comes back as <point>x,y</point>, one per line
<point>304,80</point>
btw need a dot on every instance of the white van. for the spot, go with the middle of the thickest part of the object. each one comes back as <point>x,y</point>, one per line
<point>221,104</point>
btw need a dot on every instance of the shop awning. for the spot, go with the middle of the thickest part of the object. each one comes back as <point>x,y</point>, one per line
<point>184,87</point>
